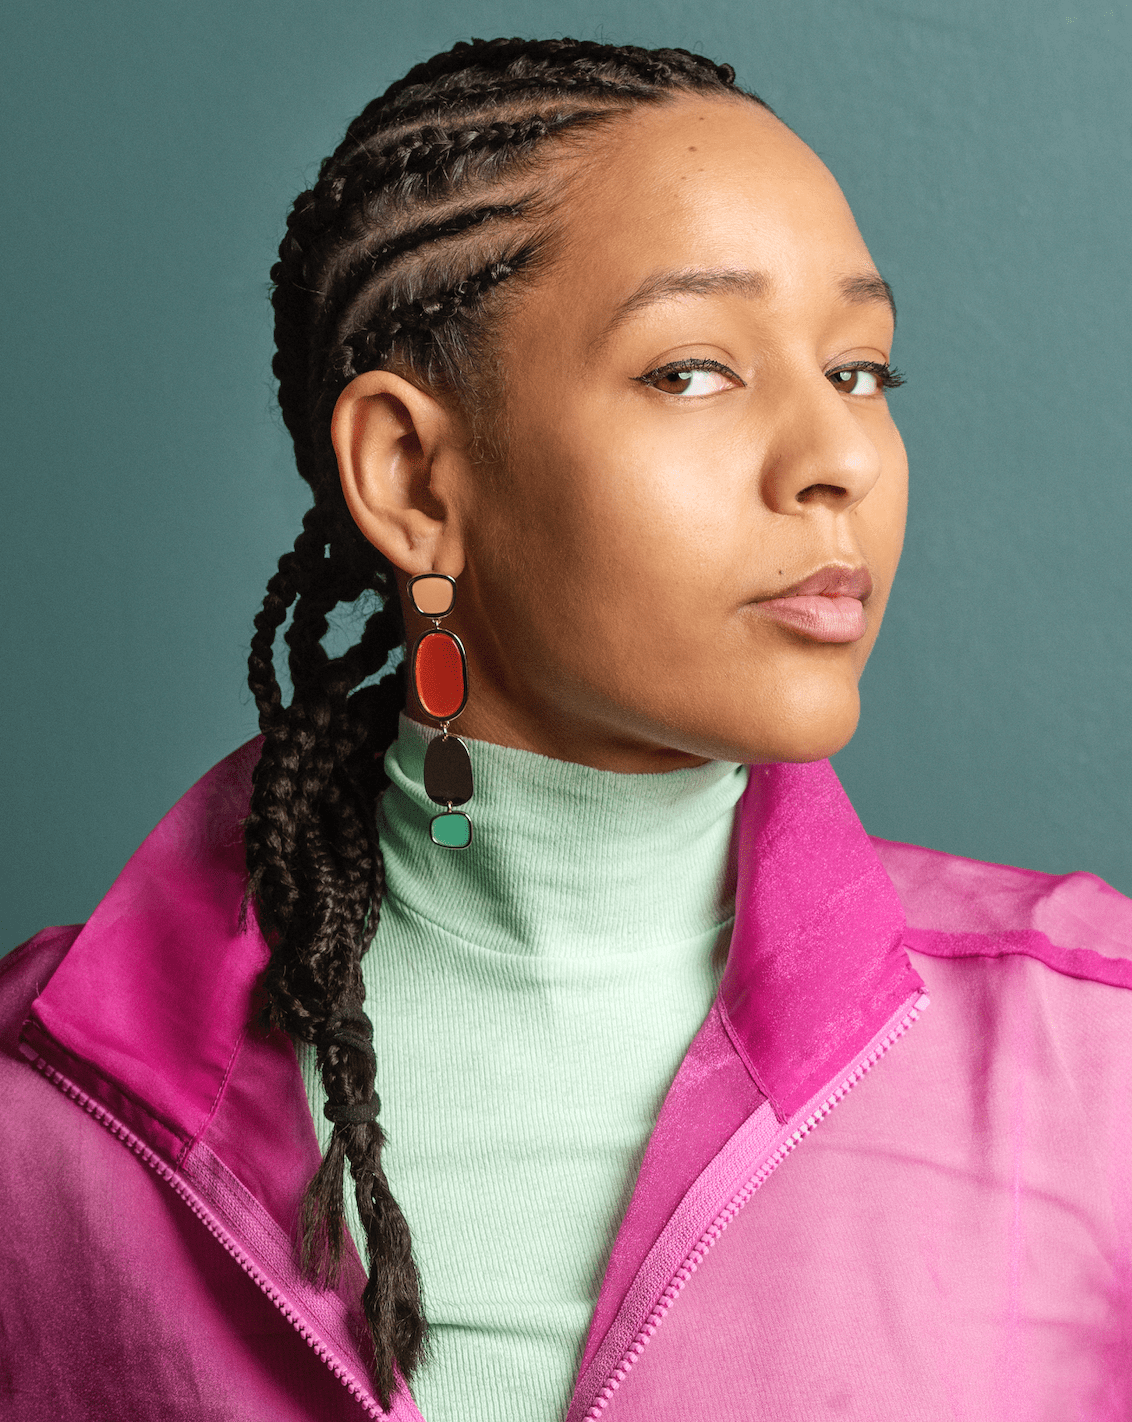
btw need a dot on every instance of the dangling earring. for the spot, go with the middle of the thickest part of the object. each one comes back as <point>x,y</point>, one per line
<point>440,678</point>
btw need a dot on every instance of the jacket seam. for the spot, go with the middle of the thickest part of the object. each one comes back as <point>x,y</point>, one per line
<point>220,1090</point>
<point>32,1052</point>
<point>920,940</point>
<point>741,1052</point>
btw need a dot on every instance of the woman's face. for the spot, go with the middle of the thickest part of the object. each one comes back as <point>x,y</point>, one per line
<point>686,441</point>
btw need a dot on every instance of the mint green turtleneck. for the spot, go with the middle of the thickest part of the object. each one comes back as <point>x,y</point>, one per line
<point>533,996</point>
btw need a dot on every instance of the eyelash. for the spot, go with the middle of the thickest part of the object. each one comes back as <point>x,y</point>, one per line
<point>888,375</point>
<point>651,376</point>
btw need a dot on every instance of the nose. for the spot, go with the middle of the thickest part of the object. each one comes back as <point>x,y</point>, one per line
<point>821,452</point>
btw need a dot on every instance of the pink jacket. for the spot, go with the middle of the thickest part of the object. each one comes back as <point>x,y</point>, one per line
<point>852,1206</point>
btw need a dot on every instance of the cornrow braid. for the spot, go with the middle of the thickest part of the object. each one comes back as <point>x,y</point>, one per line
<point>456,226</point>
<point>450,100</point>
<point>439,196</point>
<point>499,56</point>
<point>370,349</point>
<point>431,150</point>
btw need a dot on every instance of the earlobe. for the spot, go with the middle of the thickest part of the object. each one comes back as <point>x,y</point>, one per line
<point>398,452</point>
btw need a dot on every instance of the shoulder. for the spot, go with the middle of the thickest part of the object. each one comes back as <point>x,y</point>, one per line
<point>170,932</point>
<point>190,856</point>
<point>24,973</point>
<point>1075,924</point>
<point>1029,977</point>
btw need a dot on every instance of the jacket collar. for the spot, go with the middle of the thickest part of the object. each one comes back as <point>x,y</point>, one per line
<point>154,996</point>
<point>153,1001</point>
<point>816,965</point>
<point>157,990</point>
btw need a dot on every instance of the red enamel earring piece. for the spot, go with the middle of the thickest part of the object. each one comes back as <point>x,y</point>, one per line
<point>440,679</point>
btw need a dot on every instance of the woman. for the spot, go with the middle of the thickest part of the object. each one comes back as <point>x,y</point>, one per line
<point>585,363</point>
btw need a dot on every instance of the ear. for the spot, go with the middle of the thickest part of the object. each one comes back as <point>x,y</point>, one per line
<point>401,454</point>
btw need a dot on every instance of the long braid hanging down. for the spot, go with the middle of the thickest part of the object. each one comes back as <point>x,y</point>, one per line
<point>435,198</point>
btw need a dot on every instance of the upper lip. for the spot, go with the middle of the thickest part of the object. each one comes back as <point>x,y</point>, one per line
<point>834,580</point>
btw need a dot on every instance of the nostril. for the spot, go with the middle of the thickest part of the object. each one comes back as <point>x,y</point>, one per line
<point>821,491</point>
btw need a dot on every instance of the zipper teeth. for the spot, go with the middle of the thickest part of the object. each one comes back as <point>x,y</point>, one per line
<point>731,1209</point>
<point>171,1177</point>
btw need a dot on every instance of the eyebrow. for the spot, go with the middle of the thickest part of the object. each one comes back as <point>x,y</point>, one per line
<point>867,289</point>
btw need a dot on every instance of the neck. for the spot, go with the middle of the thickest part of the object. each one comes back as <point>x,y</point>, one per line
<point>565,859</point>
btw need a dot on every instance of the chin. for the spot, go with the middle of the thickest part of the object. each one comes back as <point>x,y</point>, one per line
<point>802,723</point>
<point>818,744</point>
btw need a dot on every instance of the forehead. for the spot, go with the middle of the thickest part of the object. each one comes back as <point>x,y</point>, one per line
<point>705,183</point>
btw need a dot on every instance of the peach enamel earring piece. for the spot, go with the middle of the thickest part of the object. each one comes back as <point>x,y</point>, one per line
<point>440,678</point>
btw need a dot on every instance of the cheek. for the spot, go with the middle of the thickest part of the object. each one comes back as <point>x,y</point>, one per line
<point>601,523</point>
<point>603,569</point>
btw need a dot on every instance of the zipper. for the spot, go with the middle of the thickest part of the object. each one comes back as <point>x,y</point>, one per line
<point>172,1177</point>
<point>695,1256</point>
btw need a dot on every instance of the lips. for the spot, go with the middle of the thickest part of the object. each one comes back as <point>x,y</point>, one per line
<point>834,580</point>
<point>825,607</point>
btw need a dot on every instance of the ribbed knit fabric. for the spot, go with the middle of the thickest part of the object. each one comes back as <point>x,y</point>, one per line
<point>533,996</point>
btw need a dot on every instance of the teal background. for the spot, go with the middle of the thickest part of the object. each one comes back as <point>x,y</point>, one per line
<point>150,154</point>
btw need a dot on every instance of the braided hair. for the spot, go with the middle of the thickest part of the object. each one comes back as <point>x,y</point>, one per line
<point>395,258</point>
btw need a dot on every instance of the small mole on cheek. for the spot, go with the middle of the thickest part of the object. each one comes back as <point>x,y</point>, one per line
<point>691,147</point>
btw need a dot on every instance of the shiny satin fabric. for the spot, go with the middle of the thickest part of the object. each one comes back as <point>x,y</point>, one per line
<point>948,1238</point>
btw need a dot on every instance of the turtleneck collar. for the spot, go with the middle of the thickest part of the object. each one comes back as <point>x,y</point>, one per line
<point>564,859</point>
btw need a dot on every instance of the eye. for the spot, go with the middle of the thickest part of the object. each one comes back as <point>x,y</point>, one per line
<point>691,378</point>
<point>867,378</point>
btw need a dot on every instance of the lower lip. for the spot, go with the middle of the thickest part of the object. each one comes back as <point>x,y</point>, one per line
<point>822,619</point>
